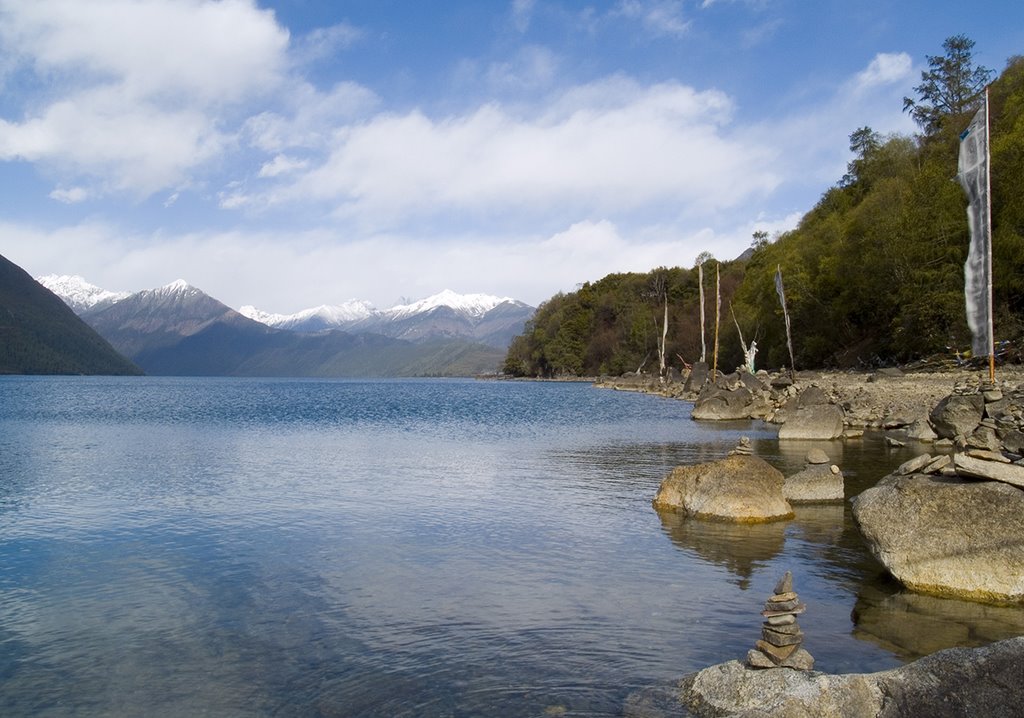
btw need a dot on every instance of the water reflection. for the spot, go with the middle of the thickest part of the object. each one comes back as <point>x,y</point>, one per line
<point>740,548</point>
<point>912,625</point>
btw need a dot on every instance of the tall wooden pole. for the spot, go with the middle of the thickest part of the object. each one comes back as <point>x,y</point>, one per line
<point>703,343</point>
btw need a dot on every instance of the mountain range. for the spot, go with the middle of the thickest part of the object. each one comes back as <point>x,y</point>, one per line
<point>180,330</point>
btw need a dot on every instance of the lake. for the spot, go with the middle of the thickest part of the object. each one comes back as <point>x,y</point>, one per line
<point>248,547</point>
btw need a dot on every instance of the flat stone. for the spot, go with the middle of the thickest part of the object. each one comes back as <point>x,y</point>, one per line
<point>785,584</point>
<point>791,612</point>
<point>790,629</point>
<point>783,619</point>
<point>987,455</point>
<point>921,430</point>
<point>914,465</point>
<point>781,639</point>
<point>996,471</point>
<point>937,464</point>
<point>787,596</point>
<point>780,653</point>
<point>992,395</point>
<point>756,659</point>
<point>774,606</point>
<point>851,434</point>
<point>800,659</point>
<point>894,443</point>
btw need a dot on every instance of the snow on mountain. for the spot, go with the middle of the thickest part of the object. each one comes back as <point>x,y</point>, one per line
<point>470,305</point>
<point>322,317</point>
<point>77,293</point>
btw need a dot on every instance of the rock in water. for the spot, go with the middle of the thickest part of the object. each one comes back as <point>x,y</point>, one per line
<point>814,422</point>
<point>947,536</point>
<point>987,681</point>
<point>817,483</point>
<point>737,488</point>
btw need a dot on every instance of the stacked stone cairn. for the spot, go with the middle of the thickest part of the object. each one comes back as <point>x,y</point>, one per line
<point>781,638</point>
<point>743,448</point>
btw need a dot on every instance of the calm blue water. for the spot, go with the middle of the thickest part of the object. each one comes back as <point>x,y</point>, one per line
<point>230,547</point>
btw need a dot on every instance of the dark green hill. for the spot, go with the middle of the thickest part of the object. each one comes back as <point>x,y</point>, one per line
<point>39,334</point>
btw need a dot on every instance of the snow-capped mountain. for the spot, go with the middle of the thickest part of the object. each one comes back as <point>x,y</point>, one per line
<point>469,305</point>
<point>481,317</point>
<point>314,319</point>
<point>79,294</point>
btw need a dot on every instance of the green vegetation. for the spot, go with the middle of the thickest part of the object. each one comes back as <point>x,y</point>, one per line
<point>873,273</point>
<point>39,334</point>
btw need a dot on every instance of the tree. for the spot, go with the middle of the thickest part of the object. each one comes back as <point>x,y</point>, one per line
<point>953,86</point>
<point>864,143</point>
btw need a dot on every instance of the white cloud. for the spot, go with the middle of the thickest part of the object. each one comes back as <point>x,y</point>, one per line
<point>885,69</point>
<point>322,43</point>
<point>135,89</point>
<point>309,117</point>
<point>660,17</point>
<point>531,68</point>
<point>611,147</point>
<point>69,195</point>
<point>522,10</point>
<point>280,165</point>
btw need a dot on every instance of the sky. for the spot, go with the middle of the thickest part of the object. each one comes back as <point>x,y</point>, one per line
<point>292,153</point>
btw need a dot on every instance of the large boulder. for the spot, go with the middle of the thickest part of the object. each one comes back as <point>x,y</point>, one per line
<point>957,415</point>
<point>820,422</point>
<point>947,536</point>
<point>986,681</point>
<point>717,404</point>
<point>737,488</point>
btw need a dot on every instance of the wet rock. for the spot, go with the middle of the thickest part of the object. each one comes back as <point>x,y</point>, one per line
<point>737,488</point>
<point>947,536</point>
<point>823,422</point>
<point>817,483</point>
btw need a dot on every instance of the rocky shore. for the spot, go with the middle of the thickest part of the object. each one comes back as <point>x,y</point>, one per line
<point>947,523</point>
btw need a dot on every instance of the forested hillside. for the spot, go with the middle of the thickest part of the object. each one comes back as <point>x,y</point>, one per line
<point>39,334</point>
<point>873,273</point>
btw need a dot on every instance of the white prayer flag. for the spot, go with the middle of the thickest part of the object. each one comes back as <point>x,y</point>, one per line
<point>974,178</point>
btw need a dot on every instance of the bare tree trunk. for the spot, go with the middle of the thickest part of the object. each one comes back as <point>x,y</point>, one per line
<point>664,339</point>
<point>703,343</point>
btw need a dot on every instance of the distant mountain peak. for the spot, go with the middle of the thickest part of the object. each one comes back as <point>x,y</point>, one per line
<point>473,305</point>
<point>78,293</point>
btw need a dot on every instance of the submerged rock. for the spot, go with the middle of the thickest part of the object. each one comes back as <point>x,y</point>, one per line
<point>737,488</point>
<point>947,536</point>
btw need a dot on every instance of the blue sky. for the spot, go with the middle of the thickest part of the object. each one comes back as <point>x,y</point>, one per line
<point>294,153</point>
